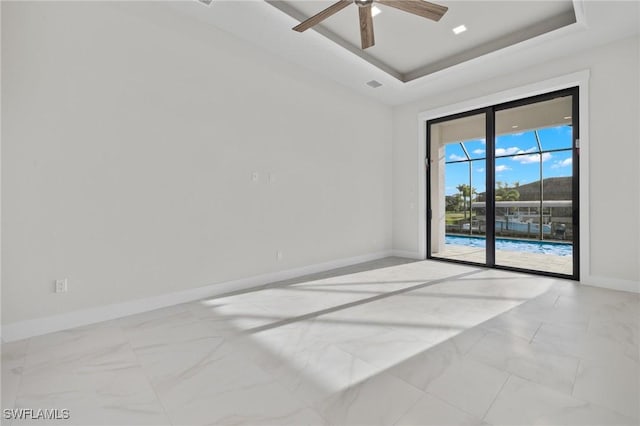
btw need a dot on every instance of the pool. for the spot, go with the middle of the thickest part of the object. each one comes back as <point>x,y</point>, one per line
<point>542,247</point>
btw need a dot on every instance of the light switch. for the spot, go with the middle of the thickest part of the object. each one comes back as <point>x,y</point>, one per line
<point>61,286</point>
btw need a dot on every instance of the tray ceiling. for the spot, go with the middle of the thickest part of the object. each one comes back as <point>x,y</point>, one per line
<point>268,29</point>
<point>409,47</point>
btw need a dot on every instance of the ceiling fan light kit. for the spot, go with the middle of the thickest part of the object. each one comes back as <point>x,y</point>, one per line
<point>417,7</point>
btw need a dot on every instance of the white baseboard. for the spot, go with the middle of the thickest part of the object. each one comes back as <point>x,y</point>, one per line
<point>35,327</point>
<point>612,283</point>
<point>407,254</point>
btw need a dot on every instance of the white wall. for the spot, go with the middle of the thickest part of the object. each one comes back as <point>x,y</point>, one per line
<point>129,137</point>
<point>614,140</point>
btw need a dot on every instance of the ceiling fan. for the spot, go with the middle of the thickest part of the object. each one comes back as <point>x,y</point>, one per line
<point>417,7</point>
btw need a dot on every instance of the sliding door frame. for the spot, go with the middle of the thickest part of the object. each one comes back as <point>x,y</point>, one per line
<point>490,113</point>
<point>490,171</point>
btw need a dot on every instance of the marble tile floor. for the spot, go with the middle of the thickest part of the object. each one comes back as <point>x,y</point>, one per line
<point>391,342</point>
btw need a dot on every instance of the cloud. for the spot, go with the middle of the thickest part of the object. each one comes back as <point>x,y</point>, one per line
<point>564,128</point>
<point>562,163</point>
<point>501,152</point>
<point>480,170</point>
<point>532,158</point>
<point>518,134</point>
<point>454,157</point>
<point>502,168</point>
<point>478,151</point>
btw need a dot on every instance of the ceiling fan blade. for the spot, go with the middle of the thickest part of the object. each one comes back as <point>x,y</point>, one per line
<point>366,26</point>
<point>321,16</point>
<point>418,7</point>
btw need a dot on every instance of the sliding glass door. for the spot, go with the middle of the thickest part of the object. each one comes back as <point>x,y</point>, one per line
<point>459,166</point>
<point>503,186</point>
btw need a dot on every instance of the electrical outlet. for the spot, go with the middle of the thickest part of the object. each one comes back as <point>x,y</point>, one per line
<point>255,176</point>
<point>61,286</point>
<point>279,255</point>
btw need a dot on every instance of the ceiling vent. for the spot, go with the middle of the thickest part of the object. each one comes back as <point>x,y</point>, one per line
<point>373,83</point>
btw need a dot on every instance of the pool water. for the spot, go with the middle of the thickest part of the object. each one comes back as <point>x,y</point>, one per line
<point>542,247</point>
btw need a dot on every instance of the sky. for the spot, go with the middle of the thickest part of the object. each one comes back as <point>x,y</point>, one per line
<point>524,168</point>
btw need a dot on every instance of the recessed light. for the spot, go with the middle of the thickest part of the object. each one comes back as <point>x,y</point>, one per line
<point>514,127</point>
<point>459,29</point>
<point>374,84</point>
<point>206,2</point>
<point>568,117</point>
<point>375,11</point>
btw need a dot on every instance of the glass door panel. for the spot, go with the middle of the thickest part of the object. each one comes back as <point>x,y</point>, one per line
<point>457,188</point>
<point>534,186</point>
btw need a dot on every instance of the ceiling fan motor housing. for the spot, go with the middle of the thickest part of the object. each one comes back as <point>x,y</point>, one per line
<point>363,3</point>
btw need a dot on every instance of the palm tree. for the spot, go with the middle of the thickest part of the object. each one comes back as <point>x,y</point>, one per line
<point>507,194</point>
<point>504,193</point>
<point>466,191</point>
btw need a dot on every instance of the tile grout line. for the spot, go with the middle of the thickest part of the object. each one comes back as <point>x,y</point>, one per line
<point>404,413</point>
<point>575,377</point>
<point>536,333</point>
<point>275,379</point>
<point>153,388</point>
<point>462,410</point>
<point>477,342</point>
<point>496,397</point>
<point>373,365</point>
<point>391,375</point>
<point>24,366</point>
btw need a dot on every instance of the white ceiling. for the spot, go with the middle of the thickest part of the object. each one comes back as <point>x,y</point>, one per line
<point>598,23</point>
<point>411,46</point>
